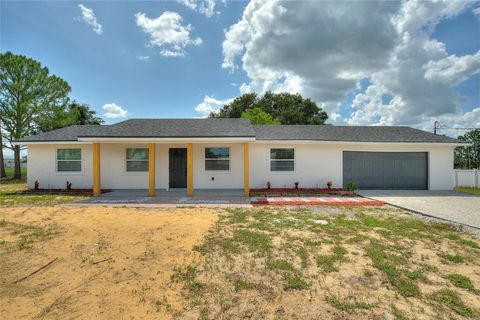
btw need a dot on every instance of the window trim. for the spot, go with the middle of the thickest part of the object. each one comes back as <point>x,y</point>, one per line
<point>282,172</point>
<point>68,172</point>
<point>127,160</point>
<point>207,159</point>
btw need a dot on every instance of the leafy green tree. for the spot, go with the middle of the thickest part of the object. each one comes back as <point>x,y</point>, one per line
<point>286,108</point>
<point>235,108</point>
<point>83,114</point>
<point>28,92</point>
<point>63,116</point>
<point>469,157</point>
<point>258,116</point>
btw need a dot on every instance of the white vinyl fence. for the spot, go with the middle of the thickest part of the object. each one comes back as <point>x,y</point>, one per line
<point>467,178</point>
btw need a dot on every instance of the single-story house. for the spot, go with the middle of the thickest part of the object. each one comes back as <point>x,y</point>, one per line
<point>196,154</point>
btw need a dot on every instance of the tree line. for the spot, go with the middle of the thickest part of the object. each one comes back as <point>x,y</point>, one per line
<point>32,101</point>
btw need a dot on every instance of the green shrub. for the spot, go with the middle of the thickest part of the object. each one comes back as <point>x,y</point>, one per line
<point>351,186</point>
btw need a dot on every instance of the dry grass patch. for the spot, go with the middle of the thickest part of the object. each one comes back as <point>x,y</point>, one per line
<point>364,263</point>
<point>111,263</point>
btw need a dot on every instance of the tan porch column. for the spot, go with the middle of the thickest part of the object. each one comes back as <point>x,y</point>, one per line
<point>96,170</point>
<point>151,170</point>
<point>246,170</point>
<point>189,169</point>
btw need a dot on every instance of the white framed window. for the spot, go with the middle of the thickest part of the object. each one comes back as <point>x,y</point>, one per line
<point>69,160</point>
<point>137,159</point>
<point>217,159</point>
<point>282,159</point>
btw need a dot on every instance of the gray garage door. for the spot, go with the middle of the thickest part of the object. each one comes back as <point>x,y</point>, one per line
<point>386,170</point>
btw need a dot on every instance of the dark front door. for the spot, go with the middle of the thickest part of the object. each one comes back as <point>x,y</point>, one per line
<point>178,168</point>
<point>386,170</point>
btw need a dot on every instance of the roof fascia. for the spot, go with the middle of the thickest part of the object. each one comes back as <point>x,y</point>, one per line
<point>165,140</point>
<point>359,142</point>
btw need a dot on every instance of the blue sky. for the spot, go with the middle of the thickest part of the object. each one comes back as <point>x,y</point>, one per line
<point>384,65</point>
<point>104,69</point>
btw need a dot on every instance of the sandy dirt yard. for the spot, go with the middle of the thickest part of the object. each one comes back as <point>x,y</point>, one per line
<point>262,263</point>
<point>107,263</point>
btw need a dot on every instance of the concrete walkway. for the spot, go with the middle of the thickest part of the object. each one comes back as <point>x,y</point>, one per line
<point>453,206</point>
<point>171,198</point>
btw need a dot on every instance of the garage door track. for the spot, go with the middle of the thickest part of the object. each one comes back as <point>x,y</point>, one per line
<point>446,205</point>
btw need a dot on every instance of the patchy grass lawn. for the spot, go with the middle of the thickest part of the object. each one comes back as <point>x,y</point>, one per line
<point>262,263</point>
<point>364,263</point>
<point>471,190</point>
<point>10,195</point>
<point>9,172</point>
<point>107,263</point>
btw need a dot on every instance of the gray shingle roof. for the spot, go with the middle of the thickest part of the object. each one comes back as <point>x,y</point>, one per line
<point>348,133</point>
<point>70,133</point>
<point>211,128</point>
<point>178,128</point>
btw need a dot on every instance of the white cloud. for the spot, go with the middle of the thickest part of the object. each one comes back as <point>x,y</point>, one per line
<point>89,18</point>
<point>167,33</point>
<point>454,124</point>
<point>320,49</point>
<point>210,104</point>
<point>205,7</point>
<point>114,111</point>
<point>143,58</point>
<point>324,49</point>
<point>453,69</point>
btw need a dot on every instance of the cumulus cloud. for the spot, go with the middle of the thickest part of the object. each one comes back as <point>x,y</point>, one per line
<point>114,111</point>
<point>453,69</point>
<point>324,49</point>
<point>320,49</point>
<point>167,33</point>
<point>210,104</point>
<point>88,17</point>
<point>455,124</point>
<point>205,7</point>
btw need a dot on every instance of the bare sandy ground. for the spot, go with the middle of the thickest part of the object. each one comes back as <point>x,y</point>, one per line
<point>108,263</point>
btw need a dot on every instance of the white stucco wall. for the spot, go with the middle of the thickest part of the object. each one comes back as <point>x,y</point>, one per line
<point>315,163</point>
<point>42,166</point>
<point>202,179</point>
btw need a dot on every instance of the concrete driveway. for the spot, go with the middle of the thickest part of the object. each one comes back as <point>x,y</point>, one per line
<point>448,205</point>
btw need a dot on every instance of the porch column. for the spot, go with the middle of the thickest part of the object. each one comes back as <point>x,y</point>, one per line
<point>189,169</point>
<point>246,170</point>
<point>96,170</point>
<point>151,170</point>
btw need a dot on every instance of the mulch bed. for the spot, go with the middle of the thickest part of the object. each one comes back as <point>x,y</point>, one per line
<point>73,192</point>
<point>314,201</point>
<point>298,192</point>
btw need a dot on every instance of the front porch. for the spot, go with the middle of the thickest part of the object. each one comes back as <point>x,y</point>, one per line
<point>170,170</point>
<point>171,197</point>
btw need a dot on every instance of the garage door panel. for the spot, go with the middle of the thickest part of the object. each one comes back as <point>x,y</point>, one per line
<point>386,170</point>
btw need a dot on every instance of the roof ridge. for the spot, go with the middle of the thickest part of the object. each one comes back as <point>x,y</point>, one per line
<point>243,119</point>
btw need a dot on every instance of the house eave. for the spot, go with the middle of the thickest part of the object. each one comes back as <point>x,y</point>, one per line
<point>329,142</point>
<point>164,139</point>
